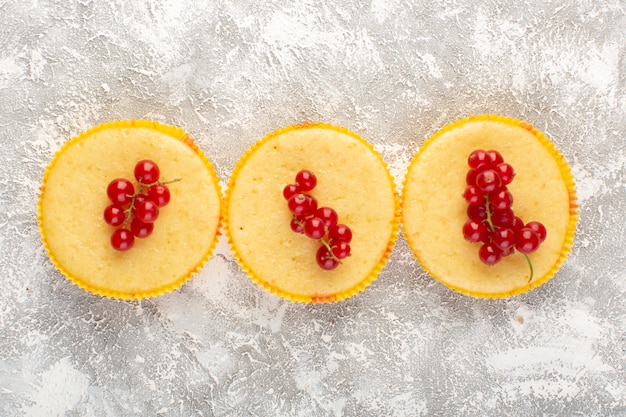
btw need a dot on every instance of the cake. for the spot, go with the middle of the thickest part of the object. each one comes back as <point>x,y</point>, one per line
<point>352,179</point>
<point>74,197</point>
<point>434,209</point>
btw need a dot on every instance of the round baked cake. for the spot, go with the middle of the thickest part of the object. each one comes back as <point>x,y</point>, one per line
<point>436,201</point>
<point>74,197</point>
<point>351,178</point>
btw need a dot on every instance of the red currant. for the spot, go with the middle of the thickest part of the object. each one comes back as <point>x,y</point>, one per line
<point>507,251</point>
<point>487,181</point>
<point>478,158</point>
<point>122,239</point>
<point>139,198</point>
<point>470,178</point>
<point>506,173</point>
<point>140,229</point>
<point>328,215</point>
<point>306,180</point>
<point>473,195</point>
<point>538,228</point>
<point>290,190</point>
<point>341,250</point>
<point>316,222</point>
<point>526,240</point>
<point>302,205</point>
<point>504,218</point>
<point>501,200</point>
<point>147,172</point>
<point>494,222</point>
<point>495,157</point>
<point>325,259</point>
<point>503,238</point>
<point>517,224</point>
<point>489,253</point>
<point>120,191</point>
<point>146,211</point>
<point>297,224</point>
<point>477,212</point>
<point>114,215</point>
<point>475,231</point>
<point>340,233</point>
<point>160,194</point>
<point>314,228</point>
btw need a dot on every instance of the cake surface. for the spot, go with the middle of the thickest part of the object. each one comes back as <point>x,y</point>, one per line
<point>434,210</point>
<point>73,198</point>
<point>351,178</point>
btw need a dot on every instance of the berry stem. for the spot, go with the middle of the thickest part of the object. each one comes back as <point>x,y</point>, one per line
<point>530,265</point>
<point>488,211</point>
<point>142,185</point>
<point>330,249</point>
<point>128,212</point>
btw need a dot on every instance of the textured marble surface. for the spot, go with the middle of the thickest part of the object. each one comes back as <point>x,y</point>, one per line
<point>395,71</point>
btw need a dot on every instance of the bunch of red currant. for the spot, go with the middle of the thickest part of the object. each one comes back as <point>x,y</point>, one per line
<point>319,223</point>
<point>135,211</point>
<point>491,218</point>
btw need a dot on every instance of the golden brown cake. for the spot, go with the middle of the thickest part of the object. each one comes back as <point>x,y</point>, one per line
<point>351,178</point>
<point>74,196</point>
<point>434,209</point>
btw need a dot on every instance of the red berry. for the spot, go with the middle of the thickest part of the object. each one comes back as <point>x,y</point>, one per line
<point>473,195</point>
<point>147,172</point>
<point>470,178</point>
<point>120,191</point>
<point>146,210</point>
<point>160,194</point>
<point>341,250</point>
<point>306,180</point>
<point>328,215</point>
<point>495,157</point>
<point>506,173</point>
<point>139,198</point>
<point>489,254</point>
<point>503,238</point>
<point>517,224</point>
<point>312,205</point>
<point>302,204</point>
<point>325,259</point>
<point>504,218</point>
<point>507,252</point>
<point>114,215</point>
<point>501,200</point>
<point>478,158</point>
<point>475,231</point>
<point>477,212</point>
<point>140,229</point>
<point>122,239</point>
<point>487,181</point>
<point>290,190</point>
<point>297,224</point>
<point>526,240</point>
<point>340,233</point>
<point>538,228</point>
<point>314,228</point>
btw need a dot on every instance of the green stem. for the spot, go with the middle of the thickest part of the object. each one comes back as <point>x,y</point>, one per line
<point>142,186</point>
<point>530,265</point>
<point>488,210</point>
<point>330,249</point>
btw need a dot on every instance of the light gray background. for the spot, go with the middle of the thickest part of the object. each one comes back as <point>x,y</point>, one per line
<point>394,71</point>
